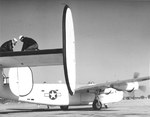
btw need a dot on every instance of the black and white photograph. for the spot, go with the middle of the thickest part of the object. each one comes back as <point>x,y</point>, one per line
<point>75,58</point>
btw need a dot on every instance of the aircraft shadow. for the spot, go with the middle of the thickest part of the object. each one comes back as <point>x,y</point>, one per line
<point>18,110</point>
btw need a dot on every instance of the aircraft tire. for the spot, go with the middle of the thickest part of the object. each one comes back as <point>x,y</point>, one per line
<point>97,105</point>
<point>64,107</point>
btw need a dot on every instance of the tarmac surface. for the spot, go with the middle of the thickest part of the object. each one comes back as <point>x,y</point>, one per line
<point>125,108</point>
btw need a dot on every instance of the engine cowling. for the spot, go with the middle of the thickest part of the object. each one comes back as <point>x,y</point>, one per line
<point>107,91</point>
<point>110,95</point>
<point>126,86</point>
<point>132,86</point>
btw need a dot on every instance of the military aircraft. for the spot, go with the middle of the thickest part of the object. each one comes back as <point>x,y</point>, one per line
<point>19,85</point>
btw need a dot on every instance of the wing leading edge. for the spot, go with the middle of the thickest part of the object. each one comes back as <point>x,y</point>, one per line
<point>115,85</point>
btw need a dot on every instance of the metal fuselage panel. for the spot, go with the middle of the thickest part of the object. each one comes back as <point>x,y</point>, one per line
<point>5,91</point>
<point>56,94</point>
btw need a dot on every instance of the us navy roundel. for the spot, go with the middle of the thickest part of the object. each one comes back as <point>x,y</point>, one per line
<point>52,94</point>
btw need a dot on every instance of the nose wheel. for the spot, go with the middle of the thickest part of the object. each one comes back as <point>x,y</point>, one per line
<point>97,105</point>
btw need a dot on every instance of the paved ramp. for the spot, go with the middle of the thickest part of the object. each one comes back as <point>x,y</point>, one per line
<point>128,108</point>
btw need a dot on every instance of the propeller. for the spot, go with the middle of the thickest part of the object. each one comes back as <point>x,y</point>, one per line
<point>136,75</point>
<point>141,87</point>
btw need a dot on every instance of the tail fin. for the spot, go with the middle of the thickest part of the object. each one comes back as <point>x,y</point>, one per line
<point>64,56</point>
<point>69,50</point>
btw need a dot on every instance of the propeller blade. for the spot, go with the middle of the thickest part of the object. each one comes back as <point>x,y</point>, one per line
<point>136,75</point>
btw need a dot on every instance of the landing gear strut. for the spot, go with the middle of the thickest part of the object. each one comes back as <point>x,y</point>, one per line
<point>97,105</point>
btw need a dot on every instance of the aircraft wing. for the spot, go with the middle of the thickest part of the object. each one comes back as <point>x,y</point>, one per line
<point>31,58</point>
<point>124,85</point>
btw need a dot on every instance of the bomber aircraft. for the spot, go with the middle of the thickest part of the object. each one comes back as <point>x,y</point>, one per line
<point>19,84</point>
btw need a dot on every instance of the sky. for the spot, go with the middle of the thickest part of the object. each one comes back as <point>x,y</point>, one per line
<point>112,36</point>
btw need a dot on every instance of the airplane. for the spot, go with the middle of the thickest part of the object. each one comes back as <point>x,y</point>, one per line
<point>19,85</point>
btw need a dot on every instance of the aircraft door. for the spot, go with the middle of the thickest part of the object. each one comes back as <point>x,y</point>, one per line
<point>20,80</point>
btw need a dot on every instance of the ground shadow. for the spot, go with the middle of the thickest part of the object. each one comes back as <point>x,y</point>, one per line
<point>21,110</point>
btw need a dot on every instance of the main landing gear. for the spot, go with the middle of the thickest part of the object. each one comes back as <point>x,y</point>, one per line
<point>97,105</point>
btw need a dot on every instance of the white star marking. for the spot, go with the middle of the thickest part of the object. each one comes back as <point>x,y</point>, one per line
<point>53,94</point>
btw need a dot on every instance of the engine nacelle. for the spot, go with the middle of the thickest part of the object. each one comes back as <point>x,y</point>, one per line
<point>110,95</point>
<point>126,86</point>
<point>108,91</point>
<point>132,86</point>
